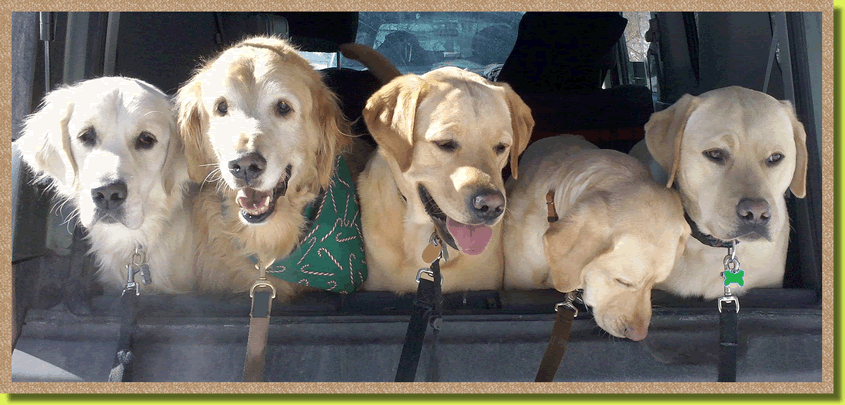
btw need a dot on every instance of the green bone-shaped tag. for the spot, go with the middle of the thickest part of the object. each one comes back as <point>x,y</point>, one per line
<point>736,278</point>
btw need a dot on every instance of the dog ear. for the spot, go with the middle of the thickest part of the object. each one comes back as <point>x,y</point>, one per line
<point>664,132</point>
<point>573,242</point>
<point>176,166</point>
<point>798,186</point>
<point>522,123</point>
<point>334,129</point>
<point>192,122</point>
<point>390,116</point>
<point>45,143</point>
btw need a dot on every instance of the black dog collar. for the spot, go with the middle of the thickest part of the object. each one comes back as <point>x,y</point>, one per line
<point>705,238</point>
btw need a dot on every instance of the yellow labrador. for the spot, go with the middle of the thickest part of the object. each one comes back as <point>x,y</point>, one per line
<point>109,147</point>
<point>618,232</point>
<point>259,124</point>
<point>732,153</point>
<point>444,138</point>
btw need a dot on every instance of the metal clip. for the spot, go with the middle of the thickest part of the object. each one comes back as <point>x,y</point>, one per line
<point>569,300</point>
<point>427,272</point>
<point>262,279</point>
<point>146,277</point>
<point>726,299</point>
<point>139,257</point>
<point>137,263</point>
<point>130,281</point>
<point>262,282</point>
<point>430,275</point>
<point>444,253</point>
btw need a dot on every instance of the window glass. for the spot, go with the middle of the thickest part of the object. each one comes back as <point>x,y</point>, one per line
<point>320,60</point>
<point>417,42</point>
<point>635,34</point>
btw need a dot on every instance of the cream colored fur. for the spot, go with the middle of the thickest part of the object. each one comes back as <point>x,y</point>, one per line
<point>408,117</point>
<point>749,127</point>
<point>618,232</point>
<point>156,214</point>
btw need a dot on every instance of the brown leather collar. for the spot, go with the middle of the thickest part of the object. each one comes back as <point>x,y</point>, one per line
<point>550,204</point>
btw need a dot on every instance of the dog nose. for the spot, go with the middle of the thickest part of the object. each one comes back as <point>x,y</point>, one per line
<point>248,167</point>
<point>488,204</point>
<point>636,333</point>
<point>109,196</point>
<point>753,211</point>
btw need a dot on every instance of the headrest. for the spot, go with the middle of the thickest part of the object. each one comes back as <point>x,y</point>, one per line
<point>309,31</point>
<point>562,51</point>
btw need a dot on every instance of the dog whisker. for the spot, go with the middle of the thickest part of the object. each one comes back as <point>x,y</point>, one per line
<point>210,179</point>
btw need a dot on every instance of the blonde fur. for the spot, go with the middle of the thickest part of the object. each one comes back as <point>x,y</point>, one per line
<point>252,76</point>
<point>749,127</point>
<point>407,117</point>
<point>619,233</point>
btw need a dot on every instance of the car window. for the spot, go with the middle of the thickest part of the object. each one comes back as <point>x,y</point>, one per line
<point>417,42</point>
<point>320,60</point>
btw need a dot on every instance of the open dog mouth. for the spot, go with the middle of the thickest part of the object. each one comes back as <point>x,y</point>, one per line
<point>469,239</point>
<point>257,206</point>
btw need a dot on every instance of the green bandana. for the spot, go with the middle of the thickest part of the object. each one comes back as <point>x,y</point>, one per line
<point>331,255</point>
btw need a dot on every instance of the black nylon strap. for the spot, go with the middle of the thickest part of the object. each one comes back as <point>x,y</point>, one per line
<point>121,366</point>
<point>433,374</point>
<point>728,342</point>
<point>427,308</point>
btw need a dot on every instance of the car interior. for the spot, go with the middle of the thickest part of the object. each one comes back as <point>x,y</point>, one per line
<point>599,75</point>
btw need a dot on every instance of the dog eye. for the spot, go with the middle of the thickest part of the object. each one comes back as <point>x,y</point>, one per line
<point>222,108</point>
<point>88,137</point>
<point>145,141</point>
<point>500,148</point>
<point>283,108</point>
<point>716,155</point>
<point>620,281</point>
<point>774,159</point>
<point>448,146</point>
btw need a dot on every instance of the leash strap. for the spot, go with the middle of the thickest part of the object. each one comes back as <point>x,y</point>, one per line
<point>256,344</point>
<point>427,309</point>
<point>566,313</point>
<point>433,374</point>
<point>128,306</point>
<point>728,317</point>
<point>121,370</point>
<point>262,294</point>
<point>728,342</point>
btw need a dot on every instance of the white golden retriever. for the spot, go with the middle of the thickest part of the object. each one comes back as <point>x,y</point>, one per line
<point>617,235</point>
<point>109,147</point>
<point>732,153</point>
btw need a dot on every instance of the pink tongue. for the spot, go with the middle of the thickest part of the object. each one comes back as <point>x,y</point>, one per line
<point>471,239</point>
<point>251,199</point>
